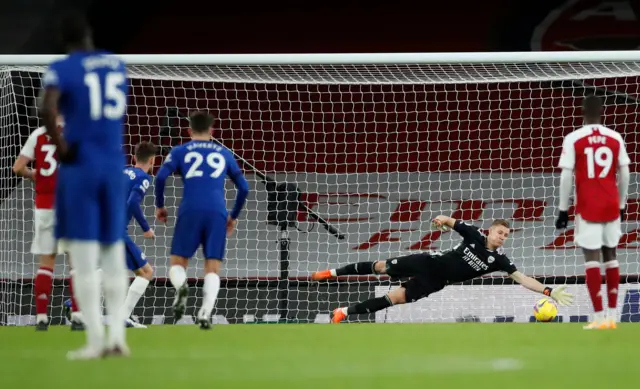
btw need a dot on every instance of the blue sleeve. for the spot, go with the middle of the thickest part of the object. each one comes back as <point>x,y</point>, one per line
<point>242,186</point>
<point>169,167</point>
<point>55,77</point>
<point>133,205</point>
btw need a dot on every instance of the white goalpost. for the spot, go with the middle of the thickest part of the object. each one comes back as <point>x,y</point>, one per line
<point>377,145</point>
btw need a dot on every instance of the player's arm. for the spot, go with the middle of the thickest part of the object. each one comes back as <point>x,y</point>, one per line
<point>27,154</point>
<point>134,201</point>
<point>567,164</point>
<point>169,166</point>
<point>623,176</point>
<point>242,187</point>
<point>53,87</point>
<point>558,294</point>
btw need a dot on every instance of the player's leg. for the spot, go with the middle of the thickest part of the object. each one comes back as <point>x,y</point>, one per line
<point>76,228</point>
<point>214,243</point>
<point>413,290</point>
<point>44,246</point>
<point>406,266</point>
<point>611,238</point>
<point>588,236</point>
<point>137,263</point>
<point>112,258</point>
<point>184,244</point>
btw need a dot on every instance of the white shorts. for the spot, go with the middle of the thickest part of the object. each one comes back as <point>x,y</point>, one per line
<point>594,236</point>
<point>44,241</point>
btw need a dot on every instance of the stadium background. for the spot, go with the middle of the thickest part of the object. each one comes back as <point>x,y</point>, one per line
<point>307,141</point>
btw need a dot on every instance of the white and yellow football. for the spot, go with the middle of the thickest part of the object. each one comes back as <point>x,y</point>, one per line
<point>545,310</point>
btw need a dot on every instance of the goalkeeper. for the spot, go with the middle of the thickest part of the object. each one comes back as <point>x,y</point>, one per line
<point>476,255</point>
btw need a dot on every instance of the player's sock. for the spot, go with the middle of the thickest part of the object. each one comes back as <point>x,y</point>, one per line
<point>114,284</point>
<point>210,292</point>
<point>75,311</point>
<point>370,306</point>
<point>612,275</point>
<point>87,291</point>
<point>136,290</point>
<point>177,276</point>
<point>594,285</point>
<point>360,268</point>
<point>42,291</point>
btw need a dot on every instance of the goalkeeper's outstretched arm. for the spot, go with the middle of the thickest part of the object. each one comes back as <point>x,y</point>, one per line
<point>558,294</point>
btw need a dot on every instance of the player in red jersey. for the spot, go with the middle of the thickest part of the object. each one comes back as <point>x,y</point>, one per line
<point>594,153</point>
<point>39,150</point>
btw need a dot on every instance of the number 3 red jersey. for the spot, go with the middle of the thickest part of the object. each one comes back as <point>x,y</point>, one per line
<point>594,153</point>
<point>42,152</point>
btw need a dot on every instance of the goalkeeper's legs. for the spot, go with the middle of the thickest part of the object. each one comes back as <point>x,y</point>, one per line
<point>210,291</point>
<point>178,278</point>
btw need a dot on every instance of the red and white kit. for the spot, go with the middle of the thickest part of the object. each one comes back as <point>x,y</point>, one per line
<point>594,153</point>
<point>39,149</point>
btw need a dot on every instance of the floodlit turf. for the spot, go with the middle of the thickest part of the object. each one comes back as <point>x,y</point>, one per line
<point>469,355</point>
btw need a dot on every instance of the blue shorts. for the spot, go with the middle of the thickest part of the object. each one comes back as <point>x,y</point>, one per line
<point>90,204</point>
<point>195,228</point>
<point>135,256</point>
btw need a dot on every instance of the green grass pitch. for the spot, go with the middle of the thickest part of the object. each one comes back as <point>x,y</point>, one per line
<point>300,356</point>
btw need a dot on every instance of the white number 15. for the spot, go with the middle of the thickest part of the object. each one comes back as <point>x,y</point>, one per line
<point>111,102</point>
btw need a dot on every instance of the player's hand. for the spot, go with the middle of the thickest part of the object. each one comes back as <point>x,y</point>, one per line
<point>149,234</point>
<point>622,214</point>
<point>162,214</point>
<point>562,220</point>
<point>231,225</point>
<point>67,154</point>
<point>560,296</point>
<point>439,223</point>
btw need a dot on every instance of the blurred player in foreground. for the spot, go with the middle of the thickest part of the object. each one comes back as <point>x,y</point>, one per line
<point>203,218</point>
<point>138,181</point>
<point>39,150</point>
<point>475,256</point>
<point>595,152</point>
<point>89,88</point>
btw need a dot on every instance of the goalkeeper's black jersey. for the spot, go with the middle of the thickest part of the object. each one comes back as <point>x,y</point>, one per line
<point>471,258</point>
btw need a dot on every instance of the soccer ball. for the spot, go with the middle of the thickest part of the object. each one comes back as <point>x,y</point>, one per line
<point>545,310</point>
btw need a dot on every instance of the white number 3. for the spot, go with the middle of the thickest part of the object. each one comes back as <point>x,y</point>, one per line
<point>112,104</point>
<point>215,160</point>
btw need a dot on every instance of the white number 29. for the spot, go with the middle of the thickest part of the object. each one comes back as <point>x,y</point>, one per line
<point>603,157</point>
<point>109,103</point>
<point>215,160</point>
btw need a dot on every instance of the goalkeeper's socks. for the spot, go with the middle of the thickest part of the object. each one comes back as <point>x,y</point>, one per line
<point>136,290</point>
<point>210,291</point>
<point>594,284</point>
<point>177,276</point>
<point>42,291</point>
<point>370,306</point>
<point>360,268</point>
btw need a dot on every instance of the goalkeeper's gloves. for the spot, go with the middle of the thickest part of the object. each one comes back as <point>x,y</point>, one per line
<point>622,215</point>
<point>562,220</point>
<point>559,295</point>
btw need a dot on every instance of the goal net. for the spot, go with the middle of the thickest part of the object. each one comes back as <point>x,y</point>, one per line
<point>376,151</point>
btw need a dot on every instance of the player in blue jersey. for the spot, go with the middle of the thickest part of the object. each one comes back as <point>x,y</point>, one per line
<point>203,218</point>
<point>89,88</point>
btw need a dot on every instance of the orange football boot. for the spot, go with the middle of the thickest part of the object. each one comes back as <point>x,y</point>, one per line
<point>321,275</point>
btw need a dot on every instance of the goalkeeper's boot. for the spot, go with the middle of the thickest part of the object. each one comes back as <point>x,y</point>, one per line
<point>42,325</point>
<point>180,302</point>
<point>321,275</point>
<point>338,315</point>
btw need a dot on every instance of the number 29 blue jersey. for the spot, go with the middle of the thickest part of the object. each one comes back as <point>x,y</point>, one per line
<point>203,166</point>
<point>93,100</point>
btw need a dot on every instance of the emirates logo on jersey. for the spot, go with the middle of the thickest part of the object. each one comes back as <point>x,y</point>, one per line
<point>589,25</point>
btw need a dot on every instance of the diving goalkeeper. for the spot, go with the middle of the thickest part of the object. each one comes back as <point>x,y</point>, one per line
<point>476,255</point>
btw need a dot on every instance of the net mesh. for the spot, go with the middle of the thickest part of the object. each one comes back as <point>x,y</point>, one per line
<point>377,151</point>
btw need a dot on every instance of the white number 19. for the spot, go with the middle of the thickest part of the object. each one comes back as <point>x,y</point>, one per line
<point>603,157</point>
<point>100,107</point>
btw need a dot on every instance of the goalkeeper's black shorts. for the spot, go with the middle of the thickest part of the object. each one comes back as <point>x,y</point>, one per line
<point>424,273</point>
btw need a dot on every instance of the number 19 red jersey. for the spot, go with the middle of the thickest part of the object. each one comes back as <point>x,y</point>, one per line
<point>40,149</point>
<point>594,153</point>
